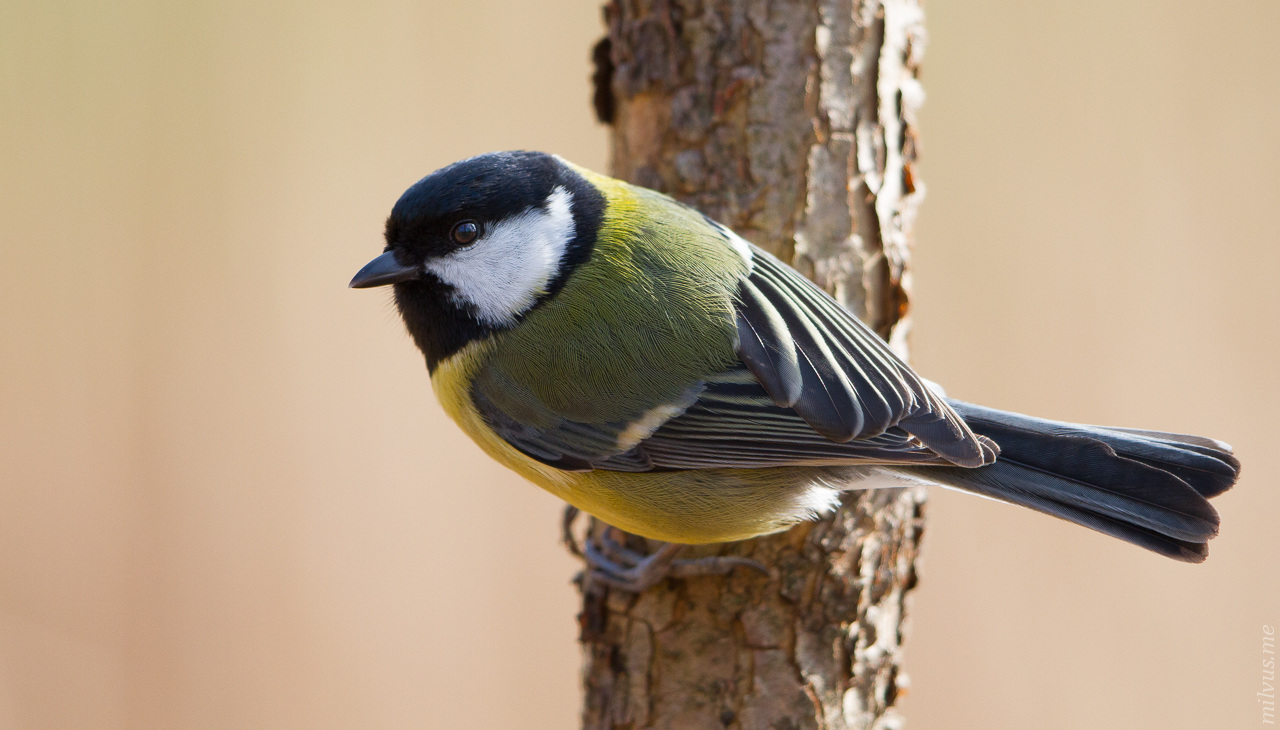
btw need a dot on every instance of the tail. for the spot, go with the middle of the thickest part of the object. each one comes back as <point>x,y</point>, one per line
<point>1149,488</point>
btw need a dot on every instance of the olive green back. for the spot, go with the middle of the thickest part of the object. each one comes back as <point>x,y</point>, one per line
<point>649,314</point>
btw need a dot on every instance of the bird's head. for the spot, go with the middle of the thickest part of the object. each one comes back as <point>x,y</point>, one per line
<point>475,246</point>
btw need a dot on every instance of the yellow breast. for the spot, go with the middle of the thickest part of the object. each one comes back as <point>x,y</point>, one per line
<point>452,384</point>
<point>699,506</point>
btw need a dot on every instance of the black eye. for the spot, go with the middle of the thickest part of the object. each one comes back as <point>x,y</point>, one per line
<point>465,232</point>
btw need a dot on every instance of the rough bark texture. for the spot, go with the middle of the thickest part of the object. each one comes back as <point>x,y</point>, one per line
<point>792,122</point>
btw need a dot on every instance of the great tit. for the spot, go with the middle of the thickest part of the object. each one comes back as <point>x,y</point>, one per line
<point>649,366</point>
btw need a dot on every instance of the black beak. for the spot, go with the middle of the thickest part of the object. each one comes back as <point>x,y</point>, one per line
<point>384,270</point>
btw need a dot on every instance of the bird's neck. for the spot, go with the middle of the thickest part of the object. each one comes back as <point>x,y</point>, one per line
<point>440,327</point>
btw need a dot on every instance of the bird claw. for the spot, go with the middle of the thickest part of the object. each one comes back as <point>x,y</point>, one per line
<point>612,564</point>
<point>566,530</point>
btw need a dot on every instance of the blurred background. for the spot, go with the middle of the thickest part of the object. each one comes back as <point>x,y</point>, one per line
<point>228,498</point>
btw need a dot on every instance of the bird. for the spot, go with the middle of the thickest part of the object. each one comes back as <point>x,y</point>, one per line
<point>649,366</point>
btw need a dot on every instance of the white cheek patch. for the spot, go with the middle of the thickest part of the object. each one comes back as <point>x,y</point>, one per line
<point>503,273</point>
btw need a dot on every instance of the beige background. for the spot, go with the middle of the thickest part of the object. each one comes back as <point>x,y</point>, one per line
<point>228,499</point>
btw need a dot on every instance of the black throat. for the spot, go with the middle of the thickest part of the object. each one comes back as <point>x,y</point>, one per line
<point>438,325</point>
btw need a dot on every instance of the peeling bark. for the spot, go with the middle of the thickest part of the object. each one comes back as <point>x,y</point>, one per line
<point>791,121</point>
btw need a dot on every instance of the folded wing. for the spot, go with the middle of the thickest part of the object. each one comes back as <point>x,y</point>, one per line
<point>814,386</point>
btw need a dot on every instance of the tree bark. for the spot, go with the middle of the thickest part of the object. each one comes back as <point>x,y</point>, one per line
<point>791,121</point>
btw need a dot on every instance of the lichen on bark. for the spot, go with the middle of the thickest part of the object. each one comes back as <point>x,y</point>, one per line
<point>791,121</point>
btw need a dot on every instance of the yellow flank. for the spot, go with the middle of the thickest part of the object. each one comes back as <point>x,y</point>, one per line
<point>697,506</point>
<point>452,384</point>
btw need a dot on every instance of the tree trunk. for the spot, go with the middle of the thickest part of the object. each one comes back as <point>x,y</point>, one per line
<point>791,121</point>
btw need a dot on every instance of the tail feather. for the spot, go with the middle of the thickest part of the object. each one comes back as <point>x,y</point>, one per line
<point>1153,540</point>
<point>1206,464</point>
<point>1148,488</point>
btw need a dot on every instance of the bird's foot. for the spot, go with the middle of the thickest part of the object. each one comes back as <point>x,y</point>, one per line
<point>566,530</point>
<point>615,565</point>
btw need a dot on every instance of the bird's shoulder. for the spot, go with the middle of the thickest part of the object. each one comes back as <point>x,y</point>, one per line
<point>648,315</point>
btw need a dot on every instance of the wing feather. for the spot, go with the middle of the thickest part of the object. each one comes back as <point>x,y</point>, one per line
<point>766,347</point>
<point>887,392</point>
<point>814,386</point>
